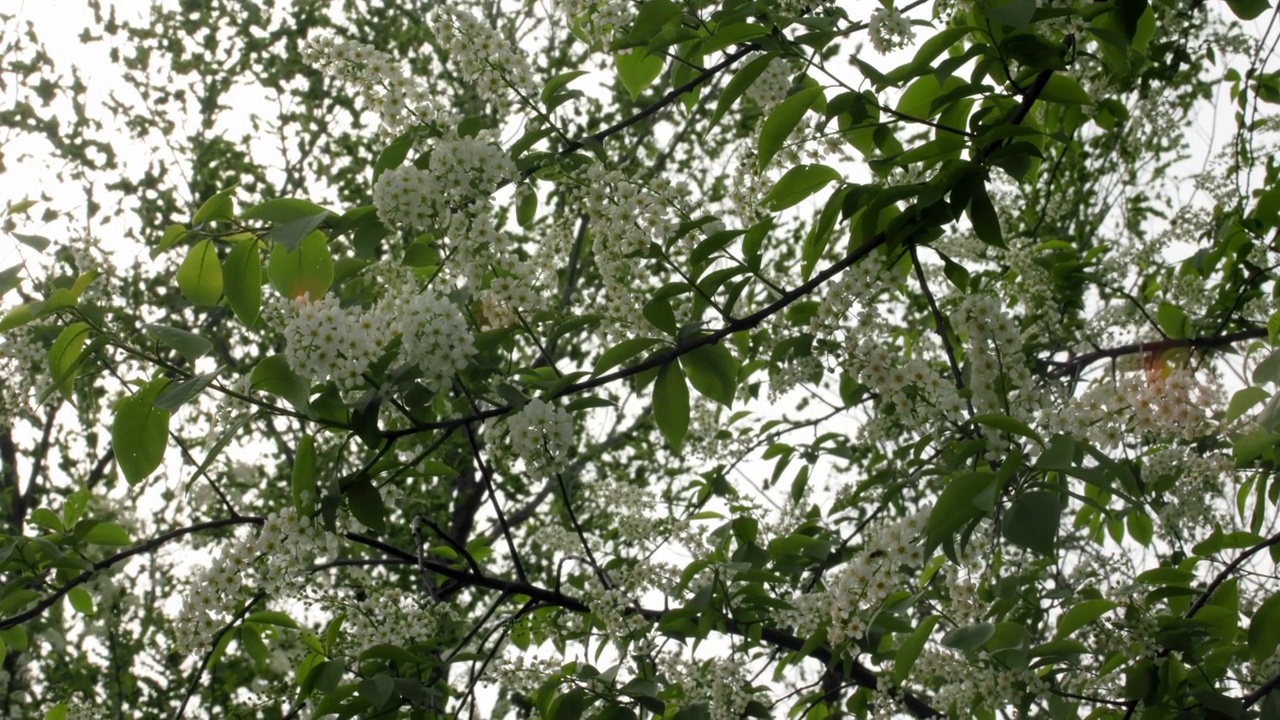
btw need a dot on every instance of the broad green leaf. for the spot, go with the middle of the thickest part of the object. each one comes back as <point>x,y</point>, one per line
<point>291,234</point>
<point>366,504</point>
<point>1173,320</point>
<point>621,353</point>
<point>308,270</point>
<point>1016,14</point>
<point>216,209</point>
<point>1140,526</point>
<point>527,207</point>
<point>1268,371</point>
<point>1244,399</point>
<point>305,490</point>
<point>651,17</point>
<point>273,375</point>
<point>228,434</point>
<point>200,274</point>
<point>713,372</point>
<point>35,242</point>
<point>20,315</point>
<point>797,184</point>
<point>910,648</point>
<point>671,405</point>
<point>738,85</point>
<point>959,503</point>
<point>179,394</point>
<point>969,637</point>
<point>81,600</point>
<point>172,236</point>
<point>107,534</point>
<point>658,312</point>
<point>637,70</point>
<point>283,210</point>
<point>1166,576</point>
<point>919,98</point>
<point>1248,9</point>
<point>242,281</point>
<point>784,118</point>
<point>728,34</point>
<point>986,224</point>
<point>1032,521</point>
<point>140,432</point>
<point>394,154</point>
<point>64,356</point>
<point>555,84</point>
<point>1066,90</point>
<point>188,344</point>
<point>1006,424</point>
<point>1264,629</point>
<point>273,617</point>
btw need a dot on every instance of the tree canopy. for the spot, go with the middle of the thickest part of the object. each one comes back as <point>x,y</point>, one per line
<point>642,359</point>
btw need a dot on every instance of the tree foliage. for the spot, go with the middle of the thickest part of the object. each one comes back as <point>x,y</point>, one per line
<point>644,359</point>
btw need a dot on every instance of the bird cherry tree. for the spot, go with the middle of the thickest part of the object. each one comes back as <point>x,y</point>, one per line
<point>650,359</point>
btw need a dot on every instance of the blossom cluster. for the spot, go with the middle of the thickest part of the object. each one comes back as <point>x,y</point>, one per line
<point>483,57</point>
<point>600,22</point>
<point>275,559</point>
<point>453,189</point>
<point>400,100</point>
<point>326,341</point>
<point>999,378</point>
<point>20,354</point>
<point>889,30</point>
<point>854,592</point>
<point>723,684</point>
<point>541,435</point>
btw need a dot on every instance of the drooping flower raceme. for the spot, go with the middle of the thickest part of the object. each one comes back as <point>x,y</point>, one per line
<point>455,187</point>
<point>400,100</point>
<point>889,30</point>
<point>434,336</point>
<point>541,435</point>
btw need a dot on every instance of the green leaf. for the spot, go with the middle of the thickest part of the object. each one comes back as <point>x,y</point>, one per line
<point>242,281</point>
<point>1066,90</point>
<point>797,184</point>
<point>1032,521</point>
<point>177,395</point>
<point>659,313</point>
<point>366,504</point>
<point>527,207</point>
<point>1016,14</point>
<point>960,502</point>
<point>273,617</point>
<point>35,242</point>
<point>910,648</point>
<point>986,224</point>
<point>273,375</point>
<point>216,209</point>
<point>1006,424</point>
<point>291,234</point>
<point>1264,629</point>
<point>394,154</point>
<point>554,85</point>
<point>969,637</point>
<point>107,534</point>
<point>650,19</point>
<point>1268,371</point>
<point>21,315</point>
<point>621,353</point>
<point>737,86</point>
<point>1242,400</point>
<point>816,241</point>
<point>1248,9</point>
<point>1173,320</point>
<point>172,236</point>
<point>200,275</point>
<point>784,118</point>
<point>283,210</point>
<point>305,490</point>
<point>64,356</point>
<point>921,96</point>
<point>637,70</point>
<point>713,372</point>
<point>191,346</point>
<point>1140,527</point>
<point>81,600</point>
<point>140,432</point>
<point>308,270</point>
<point>220,444</point>
<point>671,405</point>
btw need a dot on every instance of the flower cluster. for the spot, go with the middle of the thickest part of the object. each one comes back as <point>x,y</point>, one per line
<point>274,559</point>
<point>20,354</point>
<point>601,22</point>
<point>453,189</point>
<point>434,336</point>
<point>399,99</point>
<point>391,616</point>
<point>724,684</point>
<point>889,30</point>
<point>325,341</point>
<point>483,57</point>
<point>854,592</point>
<point>999,378</point>
<point>542,436</point>
<point>771,87</point>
